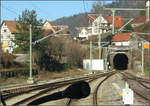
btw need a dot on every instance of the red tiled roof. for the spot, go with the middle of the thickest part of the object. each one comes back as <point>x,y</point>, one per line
<point>121,37</point>
<point>11,25</point>
<point>52,24</point>
<point>55,27</point>
<point>92,17</point>
<point>141,19</point>
<point>117,20</point>
<point>47,32</point>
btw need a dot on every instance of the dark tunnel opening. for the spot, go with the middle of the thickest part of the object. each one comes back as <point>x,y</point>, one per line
<point>120,61</point>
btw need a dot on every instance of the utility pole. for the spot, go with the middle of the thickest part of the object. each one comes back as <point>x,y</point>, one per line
<point>113,10</point>
<point>99,43</point>
<point>106,55</point>
<point>90,57</point>
<point>113,21</point>
<point>30,79</point>
<point>148,11</point>
<point>142,57</point>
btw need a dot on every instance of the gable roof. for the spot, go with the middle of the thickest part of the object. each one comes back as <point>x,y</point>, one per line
<point>52,24</point>
<point>92,17</point>
<point>55,27</point>
<point>11,25</point>
<point>47,32</point>
<point>141,19</point>
<point>117,20</point>
<point>121,37</point>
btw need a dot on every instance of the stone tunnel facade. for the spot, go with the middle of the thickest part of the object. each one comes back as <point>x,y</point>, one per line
<point>120,60</point>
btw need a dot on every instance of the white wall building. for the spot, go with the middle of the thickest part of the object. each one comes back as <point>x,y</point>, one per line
<point>96,64</point>
<point>7,29</point>
<point>121,39</point>
<point>101,24</point>
<point>83,33</point>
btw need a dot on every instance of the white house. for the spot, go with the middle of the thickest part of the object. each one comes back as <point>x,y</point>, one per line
<point>101,24</point>
<point>97,25</point>
<point>7,29</point>
<point>83,34</point>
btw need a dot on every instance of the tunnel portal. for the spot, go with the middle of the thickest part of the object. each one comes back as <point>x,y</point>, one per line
<point>120,61</point>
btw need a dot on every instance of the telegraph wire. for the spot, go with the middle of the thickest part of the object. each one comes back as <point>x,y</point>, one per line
<point>43,11</point>
<point>84,6</point>
<point>10,10</point>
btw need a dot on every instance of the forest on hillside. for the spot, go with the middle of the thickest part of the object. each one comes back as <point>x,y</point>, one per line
<point>81,20</point>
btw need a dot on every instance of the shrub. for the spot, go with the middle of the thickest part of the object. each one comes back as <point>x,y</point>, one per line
<point>7,60</point>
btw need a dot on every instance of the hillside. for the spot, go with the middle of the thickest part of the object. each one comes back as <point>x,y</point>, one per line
<point>78,20</point>
<point>98,8</point>
<point>145,28</point>
<point>81,20</point>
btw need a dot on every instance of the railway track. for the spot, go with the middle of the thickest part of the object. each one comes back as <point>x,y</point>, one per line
<point>94,95</point>
<point>139,85</point>
<point>18,90</point>
<point>95,103</point>
<point>46,88</point>
<point>69,101</point>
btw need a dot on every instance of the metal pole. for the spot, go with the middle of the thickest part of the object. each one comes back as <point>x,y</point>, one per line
<point>90,57</point>
<point>99,43</point>
<point>30,79</point>
<point>149,59</point>
<point>113,21</point>
<point>142,58</point>
<point>147,11</point>
<point>106,54</point>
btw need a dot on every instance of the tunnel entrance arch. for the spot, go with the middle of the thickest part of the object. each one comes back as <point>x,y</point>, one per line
<point>120,60</point>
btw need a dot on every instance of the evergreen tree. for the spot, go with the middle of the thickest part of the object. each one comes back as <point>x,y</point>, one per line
<point>22,34</point>
<point>128,28</point>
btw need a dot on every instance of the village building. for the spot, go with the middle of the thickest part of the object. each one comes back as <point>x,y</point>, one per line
<point>8,28</point>
<point>102,24</point>
<point>99,24</point>
<point>50,28</point>
<point>121,39</point>
<point>138,21</point>
<point>130,40</point>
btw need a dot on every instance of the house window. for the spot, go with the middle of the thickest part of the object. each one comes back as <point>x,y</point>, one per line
<point>95,24</point>
<point>8,36</point>
<point>5,30</point>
